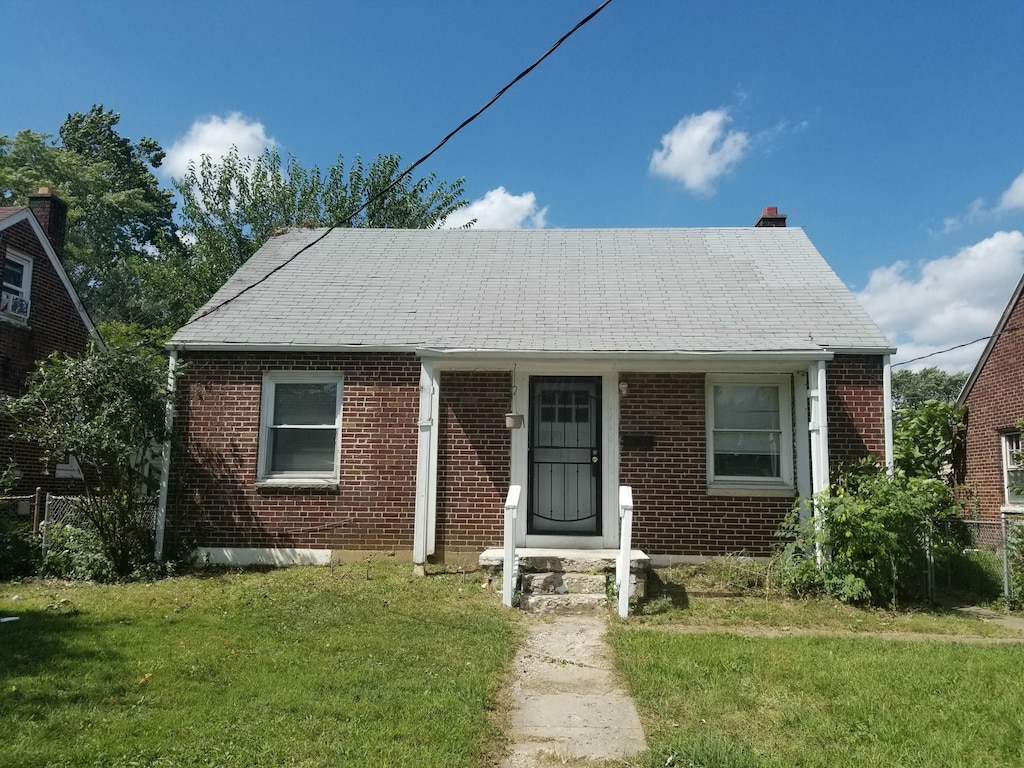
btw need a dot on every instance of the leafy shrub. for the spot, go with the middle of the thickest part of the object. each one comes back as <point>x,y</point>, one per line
<point>19,551</point>
<point>1015,553</point>
<point>76,553</point>
<point>873,533</point>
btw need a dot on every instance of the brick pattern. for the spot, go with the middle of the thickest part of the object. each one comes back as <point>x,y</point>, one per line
<point>856,408</point>
<point>994,404</point>
<point>673,513</point>
<point>213,493</point>
<point>54,324</point>
<point>213,496</point>
<point>474,458</point>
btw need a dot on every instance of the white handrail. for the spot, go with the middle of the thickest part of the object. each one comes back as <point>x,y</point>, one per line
<point>509,571</point>
<point>625,548</point>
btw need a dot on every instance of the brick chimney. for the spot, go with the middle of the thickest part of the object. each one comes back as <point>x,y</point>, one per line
<point>52,213</point>
<point>770,217</point>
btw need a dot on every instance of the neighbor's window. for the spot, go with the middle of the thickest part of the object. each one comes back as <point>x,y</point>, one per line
<point>17,285</point>
<point>300,426</point>
<point>1013,469</point>
<point>750,435</point>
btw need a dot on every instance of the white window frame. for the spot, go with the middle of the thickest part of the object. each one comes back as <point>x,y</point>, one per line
<point>1010,443</point>
<point>24,291</point>
<point>784,482</point>
<point>270,381</point>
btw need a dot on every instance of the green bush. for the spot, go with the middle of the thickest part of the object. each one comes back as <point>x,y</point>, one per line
<point>19,550</point>
<point>76,553</point>
<point>872,534</point>
<point>1015,553</point>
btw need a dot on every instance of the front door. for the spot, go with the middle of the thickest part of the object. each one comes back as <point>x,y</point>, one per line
<point>565,456</point>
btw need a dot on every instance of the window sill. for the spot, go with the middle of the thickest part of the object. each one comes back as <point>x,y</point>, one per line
<point>1012,509</point>
<point>741,489</point>
<point>20,322</point>
<point>287,484</point>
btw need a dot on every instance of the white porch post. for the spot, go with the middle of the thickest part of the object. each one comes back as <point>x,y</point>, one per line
<point>803,443</point>
<point>426,467</point>
<point>887,404</point>
<point>818,428</point>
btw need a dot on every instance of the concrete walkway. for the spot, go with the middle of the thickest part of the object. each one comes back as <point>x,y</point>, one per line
<point>568,706</point>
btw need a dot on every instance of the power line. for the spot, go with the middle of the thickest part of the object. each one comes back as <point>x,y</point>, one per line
<point>957,346</point>
<point>374,198</point>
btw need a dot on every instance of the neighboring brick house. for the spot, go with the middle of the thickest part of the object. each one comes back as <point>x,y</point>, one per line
<point>348,389</point>
<point>994,396</point>
<point>39,313</point>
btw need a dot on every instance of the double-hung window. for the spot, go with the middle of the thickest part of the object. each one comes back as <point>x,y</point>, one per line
<point>750,433</point>
<point>300,427</point>
<point>17,284</point>
<point>1013,468</point>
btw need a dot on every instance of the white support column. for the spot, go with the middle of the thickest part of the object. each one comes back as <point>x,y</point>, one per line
<point>426,467</point>
<point>818,428</point>
<point>165,458</point>
<point>802,436</point>
<point>817,391</point>
<point>887,405</point>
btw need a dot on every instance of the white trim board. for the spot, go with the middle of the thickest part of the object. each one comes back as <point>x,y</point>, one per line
<point>279,556</point>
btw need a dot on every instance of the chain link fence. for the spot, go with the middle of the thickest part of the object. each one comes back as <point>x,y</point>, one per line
<point>985,559</point>
<point>60,511</point>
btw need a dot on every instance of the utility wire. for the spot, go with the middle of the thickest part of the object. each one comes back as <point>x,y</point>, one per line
<point>374,198</point>
<point>957,346</point>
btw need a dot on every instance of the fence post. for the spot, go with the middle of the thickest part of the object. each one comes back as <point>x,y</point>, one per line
<point>46,524</point>
<point>37,503</point>
<point>930,559</point>
<point>1006,559</point>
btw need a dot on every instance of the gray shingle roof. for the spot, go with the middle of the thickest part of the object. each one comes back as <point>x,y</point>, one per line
<point>550,290</point>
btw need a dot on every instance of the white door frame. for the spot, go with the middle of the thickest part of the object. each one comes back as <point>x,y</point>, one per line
<point>520,470</point>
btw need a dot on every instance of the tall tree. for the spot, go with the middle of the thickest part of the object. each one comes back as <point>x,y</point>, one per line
<point>120,225</point>
<point>229,208</point>
<point>912,389</point>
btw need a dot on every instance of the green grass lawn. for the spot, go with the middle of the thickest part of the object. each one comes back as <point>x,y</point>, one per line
<point>727,701</point>
<point>297,667</point>
<point>677,597</point>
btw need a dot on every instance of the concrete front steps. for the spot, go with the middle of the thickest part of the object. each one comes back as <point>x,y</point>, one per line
<point>566,581</point>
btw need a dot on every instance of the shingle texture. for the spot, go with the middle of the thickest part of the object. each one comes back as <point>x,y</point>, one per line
<point>550,290</point>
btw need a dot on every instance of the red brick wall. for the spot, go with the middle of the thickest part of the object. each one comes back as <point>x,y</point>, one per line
<point>673,513</point>
<point>213,494</point>
<point>473,464</point>
<point>856,408</point>
<point>53,325</point>
<point>994,404</point>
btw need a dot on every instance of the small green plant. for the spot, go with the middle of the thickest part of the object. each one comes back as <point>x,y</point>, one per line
<point>19,551</point>
<point>76,553</point>
<point>19,554</point>
<point>1015,555</point>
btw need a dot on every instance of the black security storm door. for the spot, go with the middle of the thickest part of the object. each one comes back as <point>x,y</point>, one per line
<point>565,456</point>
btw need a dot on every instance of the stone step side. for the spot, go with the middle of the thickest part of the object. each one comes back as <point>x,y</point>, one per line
<point>533,560</point>
<point>563,604</point>
<point>574,583</point>
<point>558,583</point>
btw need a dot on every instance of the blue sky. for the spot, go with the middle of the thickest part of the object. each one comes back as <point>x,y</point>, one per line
<point>891,132</point>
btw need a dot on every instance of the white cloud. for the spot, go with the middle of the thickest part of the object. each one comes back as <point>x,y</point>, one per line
<point>699,150</point>
<point>946,301</point>
<point>1013,198</point>
<point>499,210</point>
<point>214,136</point>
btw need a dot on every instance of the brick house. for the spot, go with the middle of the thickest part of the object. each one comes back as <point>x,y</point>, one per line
<point>40,313</point>
<point>346,391</point>
<point>994,397</point>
